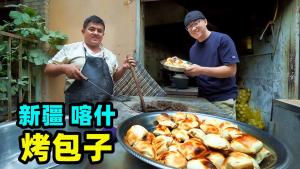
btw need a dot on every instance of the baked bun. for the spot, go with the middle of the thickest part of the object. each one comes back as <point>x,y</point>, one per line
<point>161,130</point>
<point>193,148</point>
<point>216,142</point>
<point>197,133</point>
<point>246,144</point>
<point>161,143</point>
<point>135,133</point>
<point>262,154</point>
<point>226,124</point>
<point>231,133</point>
<point>216,158</point>
<point>148,137</point>
<point>200,163</point>
<point>174,146</point>
<point>238,160</point>
<point>180,134</point>
<point>173,159</point>
<point>178,117</point>
<point>213,121</point>
<point>145,148</point>
<point>209,128</point>
<point>187,124</point>
<point>194,118</point>
<point>165,120</point>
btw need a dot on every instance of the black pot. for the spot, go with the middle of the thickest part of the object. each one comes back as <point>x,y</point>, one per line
<point>181,81</point>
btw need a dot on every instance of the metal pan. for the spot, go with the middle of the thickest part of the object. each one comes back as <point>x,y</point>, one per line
<point>147,120</point>
<point>173,68</point>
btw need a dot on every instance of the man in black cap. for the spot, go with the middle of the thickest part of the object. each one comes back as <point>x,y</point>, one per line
<point>214,59</point>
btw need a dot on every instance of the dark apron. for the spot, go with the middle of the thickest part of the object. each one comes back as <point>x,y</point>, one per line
<point>97,71</point>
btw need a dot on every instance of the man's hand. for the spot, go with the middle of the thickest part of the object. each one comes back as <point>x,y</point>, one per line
<point>73,72</point>
<point>129,62</point>
<point>193,70</point>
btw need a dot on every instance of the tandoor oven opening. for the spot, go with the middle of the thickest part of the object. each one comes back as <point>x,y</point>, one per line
<point>155,106</point>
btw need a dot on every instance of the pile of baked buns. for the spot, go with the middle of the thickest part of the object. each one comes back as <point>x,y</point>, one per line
<point>176,62</point>
<point>184,140</point>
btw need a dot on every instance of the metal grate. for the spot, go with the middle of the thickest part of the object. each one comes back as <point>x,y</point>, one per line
<point>149,87</point>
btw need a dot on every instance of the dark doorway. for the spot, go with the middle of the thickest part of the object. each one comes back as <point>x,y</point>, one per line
<point>5,8</point>
<point>166,36</point>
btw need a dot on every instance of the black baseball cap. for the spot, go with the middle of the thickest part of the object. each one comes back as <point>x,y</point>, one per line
<point>192,16</point>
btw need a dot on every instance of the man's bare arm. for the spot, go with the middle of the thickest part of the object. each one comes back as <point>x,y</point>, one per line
<point>218,72</point>
<point>70,70</point>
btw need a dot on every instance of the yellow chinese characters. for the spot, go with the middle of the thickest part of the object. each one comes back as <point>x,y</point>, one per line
<point>98,148</point>
<point>35,145</point>
<point>67,146</point>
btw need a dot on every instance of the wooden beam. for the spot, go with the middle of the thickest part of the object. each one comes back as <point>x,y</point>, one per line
<point>18,36</point>
<point>20,72</point>
<point>9,94</point>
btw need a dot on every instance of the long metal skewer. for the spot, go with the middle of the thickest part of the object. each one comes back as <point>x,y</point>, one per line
<point>99,88</point>
<point>144,109</point>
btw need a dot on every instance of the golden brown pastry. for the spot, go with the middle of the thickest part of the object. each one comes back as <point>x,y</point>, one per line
<point>226,124</point>
<point>193,148</point>
<point>135,133</point>
<point>148,137</point>
<point>161,130</point>
<point>173,159</point>
<point>161,143</point>
<point>194,118</point>
<point>213,121</point>
<point>165,120</point>
<point>176,62</point>
<point>216,141</point>
<point>174,146</point>
<point>238,160</point>
<point>216,158</point>
<point>145,148</point>
<point>200,163</point>
<point>230,133</point>
<point>187,124</point>
<point>197,133</point>
<point>180,134</point>
<point>246,144</point>
<point>178,117</point>
<point>262,154</point>
<point>209,128</point>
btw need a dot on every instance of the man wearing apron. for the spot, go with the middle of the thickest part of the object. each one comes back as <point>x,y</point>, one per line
<point>88,60</point>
